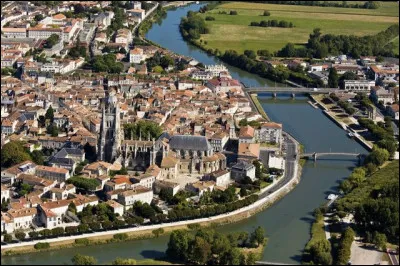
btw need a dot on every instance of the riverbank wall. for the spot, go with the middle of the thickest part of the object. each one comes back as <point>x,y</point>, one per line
<point>341,124</point>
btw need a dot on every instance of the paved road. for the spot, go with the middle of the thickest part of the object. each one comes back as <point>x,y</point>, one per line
<point>291,164</point>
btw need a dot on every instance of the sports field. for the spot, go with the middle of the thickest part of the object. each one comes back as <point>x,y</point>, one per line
<point>234,32</point>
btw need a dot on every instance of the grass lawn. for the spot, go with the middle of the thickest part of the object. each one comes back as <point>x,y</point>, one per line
<point>234,32</point>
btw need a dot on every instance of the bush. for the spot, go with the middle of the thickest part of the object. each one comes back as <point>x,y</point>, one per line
<point>233,13</point>
<point>33,234</point>
<point>158,232</point>
<point>45,233</point>
<point>266,13</point>
<point>58,231</point>
<point>209,18</point>
<point>82,241</point>
<point>7,238</point>
<point>121,237</point>
<point>42,245</point>
<point>20,235</point>
<point>71,230</point>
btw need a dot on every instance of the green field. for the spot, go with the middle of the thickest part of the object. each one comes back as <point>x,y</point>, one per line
<point>234,32</point>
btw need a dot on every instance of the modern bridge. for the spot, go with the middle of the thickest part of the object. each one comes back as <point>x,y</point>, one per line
<point>291,90</point>
<point>316,155</point>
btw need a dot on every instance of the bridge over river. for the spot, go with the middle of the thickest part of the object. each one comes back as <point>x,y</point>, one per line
<point>316,155</point>
<point>293,91</point>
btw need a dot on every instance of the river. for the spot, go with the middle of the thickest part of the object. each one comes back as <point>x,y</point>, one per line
<point>287,222</point>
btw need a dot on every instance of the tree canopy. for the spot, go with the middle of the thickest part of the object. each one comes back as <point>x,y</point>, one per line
<point>142,128</point>
<point>13,153</point>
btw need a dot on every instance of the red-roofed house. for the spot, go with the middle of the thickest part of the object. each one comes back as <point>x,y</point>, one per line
<point>246,135</point>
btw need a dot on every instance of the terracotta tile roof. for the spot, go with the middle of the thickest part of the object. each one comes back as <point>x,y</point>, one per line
<point>272,125</point>
<point>51,169</point>
<point>246,132</point>
<point>22,212</point>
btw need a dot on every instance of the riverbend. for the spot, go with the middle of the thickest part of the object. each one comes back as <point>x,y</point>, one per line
<point>288,221</point>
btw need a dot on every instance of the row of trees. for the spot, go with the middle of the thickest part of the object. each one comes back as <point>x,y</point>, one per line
<point>344,250</point>
<point>344,4</point>
<point>181,213</point>
<point>192,26</point>
<point>272,23</point>
<point>320,46</point>
<point>158,15</point>
<point>279,74</point>
<point>383,134</point>
<point>212,248</point>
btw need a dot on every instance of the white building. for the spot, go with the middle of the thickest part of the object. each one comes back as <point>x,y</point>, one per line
<point>169,186</point>
<point>129,197</point>
<point>5,193</point>
<point>379,94</point>
<point>276,162</point>
<point>14,32</point>
<point>117,207</point>
<point>218,141</point>
<point>222,178</point>
<point>359,85</point>
<point>21,218</point>
<point>123,36</point>
<point>144,180</point>
<point>201,75</point>
<point>44,33</point>
<point>270,132</point>
<point>136,56</point>
<point>215,70</point>
<point>139,14</point>
<point>137,5</point>
<point>52,173</point>
<point>242,169</point>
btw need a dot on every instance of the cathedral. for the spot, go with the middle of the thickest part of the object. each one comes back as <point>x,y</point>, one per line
<point>181,153</point>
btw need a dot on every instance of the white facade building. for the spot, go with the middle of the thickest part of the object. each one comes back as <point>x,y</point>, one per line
<point>359,85</point>
<point>129,197</point>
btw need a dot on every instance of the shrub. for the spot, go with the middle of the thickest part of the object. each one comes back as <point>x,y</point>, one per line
<point>7,238</point>
<point>158,232</point>
<point>82,241</point>
<point>20,235</point>
<point>209,18</point>
<point>121,237</point>
<point>267,13</point>
<point>233,13</point>
<point>42,245</point>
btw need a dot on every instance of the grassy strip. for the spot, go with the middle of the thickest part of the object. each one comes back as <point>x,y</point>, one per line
<point>317,234</point>
<point>259,107</point>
